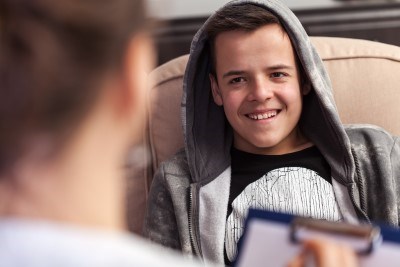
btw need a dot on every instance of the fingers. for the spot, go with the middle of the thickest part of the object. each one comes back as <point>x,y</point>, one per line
<point>299,260</point>
<point>325,254</point>
<point>330,254</point>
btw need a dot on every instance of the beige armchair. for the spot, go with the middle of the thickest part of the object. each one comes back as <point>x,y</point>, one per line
<point>366,81</point>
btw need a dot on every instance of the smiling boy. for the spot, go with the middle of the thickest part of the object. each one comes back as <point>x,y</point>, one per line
<point>261,130</point>
<point>257,81</point>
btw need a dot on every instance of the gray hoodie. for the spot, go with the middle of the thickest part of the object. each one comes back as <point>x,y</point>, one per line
<point>188,200</point>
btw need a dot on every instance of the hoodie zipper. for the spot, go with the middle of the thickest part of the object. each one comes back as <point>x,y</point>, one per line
<point>193,223</point>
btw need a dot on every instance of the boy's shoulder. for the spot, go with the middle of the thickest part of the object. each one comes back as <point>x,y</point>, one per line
<point>372,138</point>
<point>367,132</point>
<point>176,165</point>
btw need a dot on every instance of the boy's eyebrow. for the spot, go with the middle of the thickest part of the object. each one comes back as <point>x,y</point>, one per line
<point>270,68</point>
<point>279,67</point>
<point>233,73</point>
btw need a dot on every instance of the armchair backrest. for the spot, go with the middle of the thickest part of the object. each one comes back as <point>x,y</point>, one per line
<point>365,77</point>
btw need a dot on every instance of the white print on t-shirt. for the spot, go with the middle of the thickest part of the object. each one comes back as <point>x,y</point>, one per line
<point>292,190</point>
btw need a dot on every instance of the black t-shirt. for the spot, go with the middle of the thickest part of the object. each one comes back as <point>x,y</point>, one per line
<point>297,183</point>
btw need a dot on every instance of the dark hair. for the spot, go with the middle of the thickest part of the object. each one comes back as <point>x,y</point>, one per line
<point>53,56</point>
<point>246,17</point>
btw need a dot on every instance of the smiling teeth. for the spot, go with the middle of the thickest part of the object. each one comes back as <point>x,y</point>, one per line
<point>263,116</point>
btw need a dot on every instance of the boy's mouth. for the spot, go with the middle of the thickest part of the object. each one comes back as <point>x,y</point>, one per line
<point>262,116</point>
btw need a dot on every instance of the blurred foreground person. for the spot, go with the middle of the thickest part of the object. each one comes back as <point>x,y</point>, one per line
<point>72,85</point>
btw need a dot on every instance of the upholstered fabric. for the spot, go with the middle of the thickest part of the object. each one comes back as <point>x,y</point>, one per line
<point>366,81</point>
<point>165,129</point>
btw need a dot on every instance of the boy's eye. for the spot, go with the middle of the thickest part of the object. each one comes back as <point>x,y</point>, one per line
<point>278,75</point>
<point>237,80</point>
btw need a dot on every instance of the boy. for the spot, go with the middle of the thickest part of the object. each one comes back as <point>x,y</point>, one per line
<point>264,133</point>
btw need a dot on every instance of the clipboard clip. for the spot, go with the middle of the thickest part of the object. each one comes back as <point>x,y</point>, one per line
<point>363,238</point>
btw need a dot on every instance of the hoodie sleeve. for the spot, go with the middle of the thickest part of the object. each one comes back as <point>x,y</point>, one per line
<point>160,223</point>
<point>395,161</point>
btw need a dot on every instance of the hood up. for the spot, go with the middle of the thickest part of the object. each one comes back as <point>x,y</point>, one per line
<point>207,134</point>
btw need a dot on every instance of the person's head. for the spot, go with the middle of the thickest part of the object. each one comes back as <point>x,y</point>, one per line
<point>257,78</point>
<point>72,85</point>
<point>58,61</point>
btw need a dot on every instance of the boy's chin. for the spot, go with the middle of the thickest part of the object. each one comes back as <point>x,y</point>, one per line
<point>263,148</point>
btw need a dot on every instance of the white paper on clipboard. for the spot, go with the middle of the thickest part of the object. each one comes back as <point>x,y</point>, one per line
<point>268,243</point>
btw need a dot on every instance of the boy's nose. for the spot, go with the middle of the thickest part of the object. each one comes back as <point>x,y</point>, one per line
<point>260,91</point>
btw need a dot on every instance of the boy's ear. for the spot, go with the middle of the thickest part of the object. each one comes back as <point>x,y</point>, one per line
<point>215,90</point>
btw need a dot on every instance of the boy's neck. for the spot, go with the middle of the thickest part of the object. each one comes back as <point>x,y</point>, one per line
<point>296,144</point>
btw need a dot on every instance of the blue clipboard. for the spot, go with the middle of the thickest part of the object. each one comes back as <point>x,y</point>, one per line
<point>272,239</point>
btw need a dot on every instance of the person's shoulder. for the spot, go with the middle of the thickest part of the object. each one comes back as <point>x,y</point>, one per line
<point>367,131</point>
<point>73,243</point>
<point>177,164</point>
<point>369,135</point>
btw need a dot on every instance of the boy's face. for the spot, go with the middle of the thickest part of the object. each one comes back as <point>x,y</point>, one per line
<point>258,85</point>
